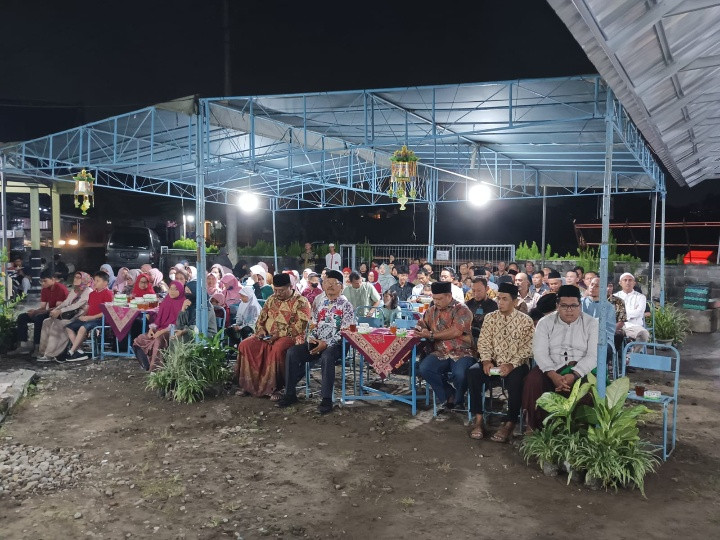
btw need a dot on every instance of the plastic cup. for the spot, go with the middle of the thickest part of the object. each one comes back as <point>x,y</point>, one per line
<point>353,328</point>
<point>393,329</point>
<point>639,390</point>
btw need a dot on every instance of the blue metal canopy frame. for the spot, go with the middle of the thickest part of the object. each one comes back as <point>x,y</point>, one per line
<point>533,138</point>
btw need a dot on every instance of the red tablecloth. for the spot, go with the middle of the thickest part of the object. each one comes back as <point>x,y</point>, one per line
<point>381,349</point>
<point>121,318</point>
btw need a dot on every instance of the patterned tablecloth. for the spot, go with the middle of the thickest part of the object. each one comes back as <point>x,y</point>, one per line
<point>121,318</point>
<point>381,349</point>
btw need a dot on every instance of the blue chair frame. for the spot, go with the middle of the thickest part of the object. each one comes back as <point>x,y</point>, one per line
<point>655,362</point>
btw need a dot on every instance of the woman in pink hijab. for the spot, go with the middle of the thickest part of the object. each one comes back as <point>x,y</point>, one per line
<point>158,285</point>
<point>213,284</point>
<point>121,281</point>
<point>231,290</point>
<point>148,346</point>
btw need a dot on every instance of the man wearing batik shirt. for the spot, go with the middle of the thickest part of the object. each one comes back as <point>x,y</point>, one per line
<point>446,324</point>
<point>505,343</point>
<point>324,344</point>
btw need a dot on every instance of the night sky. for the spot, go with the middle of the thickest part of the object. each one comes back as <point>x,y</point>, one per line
<point>66,63</point>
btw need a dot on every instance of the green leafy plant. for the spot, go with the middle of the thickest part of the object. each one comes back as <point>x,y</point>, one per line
<point>213,249</point>
<point>190,368</point>
<point>602,440</point>
<point>364,251</point>
<point>185,243</point>
<point>294,249</point>
<point>670,323</point>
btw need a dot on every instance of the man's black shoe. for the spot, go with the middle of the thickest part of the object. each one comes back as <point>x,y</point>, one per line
<point>286,401</point>
<point>325,406</point>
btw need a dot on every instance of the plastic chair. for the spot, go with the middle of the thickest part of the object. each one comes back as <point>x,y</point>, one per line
<point>487,404</point>
<point>405,319</point>
<point>652,361</point>
<point>375,320</point>
<point>428,388</point>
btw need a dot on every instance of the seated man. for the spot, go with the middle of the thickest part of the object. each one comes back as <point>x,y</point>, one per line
<point>324,343</point>
<point>446,323</point>
<point>53,292</point>
<point>423,278</point>
<point>479,304</point>
<point>635,303</point>
<point>566,338</point>
<point>620,316</point>
<point>359,293</point>
<point>282,323</point>
<point>505,342</point>
<point>538,283</point>
<point>591,305</point>
<point>447,275</point>
<point>403,288</point>
<point>524,296</point>
<point>78,329</point>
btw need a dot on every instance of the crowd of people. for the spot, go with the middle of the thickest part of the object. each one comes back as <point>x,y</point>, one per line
<point>534,329</point>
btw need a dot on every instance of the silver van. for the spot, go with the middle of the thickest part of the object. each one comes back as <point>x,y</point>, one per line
<point>132,247</point>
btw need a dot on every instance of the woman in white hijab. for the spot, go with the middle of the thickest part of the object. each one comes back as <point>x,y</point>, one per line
<point>386,280</point>
<point>247,315</point>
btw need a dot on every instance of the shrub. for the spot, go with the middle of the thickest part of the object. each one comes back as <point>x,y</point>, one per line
<point>602,440</point>
<point>190,368</point>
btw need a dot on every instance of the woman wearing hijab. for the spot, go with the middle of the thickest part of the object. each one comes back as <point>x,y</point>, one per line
<point>385,280</point>
<point>53,338</point>
<point>192,273</point>
<point>222,311</point>
<point>111,275</point>
<point>213,284</point>
<point>260,286</point>
<point>247,314</point>
<point>372,279</point>
<point>217,271</point>
<point>158,284</point>
<point>231,290</point>
<point>121,281</point>
<point>142,286</point>
<point>148,346</point>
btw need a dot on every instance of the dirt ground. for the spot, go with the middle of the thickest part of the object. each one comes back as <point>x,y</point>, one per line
<point>237,467</point>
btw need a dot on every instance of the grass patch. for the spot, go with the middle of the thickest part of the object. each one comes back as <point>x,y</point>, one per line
<point>445,467</point>
<point>407,502</point>
<point>163,488</point>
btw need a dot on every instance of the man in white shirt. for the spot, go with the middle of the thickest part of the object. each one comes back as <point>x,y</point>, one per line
<point>635,303</point>
<point>423,278</point>
<point>448,275</point>
<point>564,349</point>
<point>332,259</point>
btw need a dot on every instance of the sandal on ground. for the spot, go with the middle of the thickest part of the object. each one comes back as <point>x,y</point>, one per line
<point>275,396</point>
<point>242,393</point>
<point>478,432</point>
<point>503,434</point>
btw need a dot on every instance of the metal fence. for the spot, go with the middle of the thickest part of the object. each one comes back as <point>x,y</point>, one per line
<point>439,256</point>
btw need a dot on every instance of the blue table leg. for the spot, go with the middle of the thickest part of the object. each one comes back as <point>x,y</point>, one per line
<point>342,397</point>
<point>102,337</point>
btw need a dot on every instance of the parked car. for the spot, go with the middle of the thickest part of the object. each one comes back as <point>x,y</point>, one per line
<point>132,247</point>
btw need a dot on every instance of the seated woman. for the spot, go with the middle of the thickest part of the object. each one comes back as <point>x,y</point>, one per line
<point>246,317</point>
<point>372,279</point>
<point>217,271</point>
<point>53,338</point>
<point>390,308</point>
<point>142,286</point>
<point>231,291</point>
<point>220,307</point>
<point>121,281</point>
<point>158,283</point>
<point>109,271</point>
<point>148,346</point>
<point>213,284</point>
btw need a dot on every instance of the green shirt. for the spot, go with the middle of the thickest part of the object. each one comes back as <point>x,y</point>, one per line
<point>365,295</point>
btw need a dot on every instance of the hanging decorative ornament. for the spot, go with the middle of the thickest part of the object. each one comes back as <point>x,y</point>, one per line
<point>403,177</point>
<point>84,197</point>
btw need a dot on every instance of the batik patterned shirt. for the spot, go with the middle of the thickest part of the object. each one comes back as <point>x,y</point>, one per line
<point>330,317</point>
<point>619,305</point>
<point>506,339</point>
<point>286,318</point>
<point>454,315</point>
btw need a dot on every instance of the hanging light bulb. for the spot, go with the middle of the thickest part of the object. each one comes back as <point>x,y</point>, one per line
<point>479,194</point>
<point>248,201</point>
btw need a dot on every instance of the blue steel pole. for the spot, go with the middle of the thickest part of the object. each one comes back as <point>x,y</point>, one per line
<point>604,249</point>
<point>273,207</point>
<point>662,248</point>
<point>201,304</point>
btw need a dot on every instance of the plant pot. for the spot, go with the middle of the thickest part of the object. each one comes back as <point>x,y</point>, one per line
<point>549,469</point>
<point>591,481</point>
<point>664,341</point>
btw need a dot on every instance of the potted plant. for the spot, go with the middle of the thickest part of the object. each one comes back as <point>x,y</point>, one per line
<point>670,324</point>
